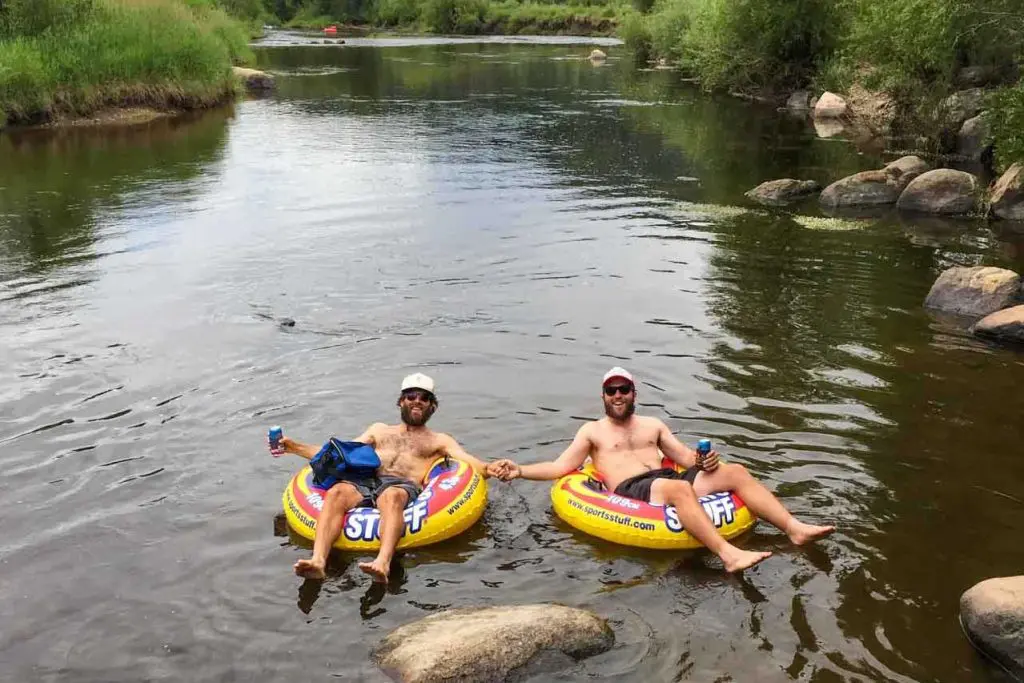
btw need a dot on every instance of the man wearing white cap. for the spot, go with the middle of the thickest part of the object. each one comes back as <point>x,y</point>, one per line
<point>627,451</point>
<point>405,451</point>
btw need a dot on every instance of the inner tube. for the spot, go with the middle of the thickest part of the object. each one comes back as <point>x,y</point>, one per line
<point>453,499</point>
<point>581,499</point>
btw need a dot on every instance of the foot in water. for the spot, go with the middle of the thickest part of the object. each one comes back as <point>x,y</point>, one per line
<point>737,560</point>
<point>801,533</point>
<point>311,569</point>
<point>377,570</point>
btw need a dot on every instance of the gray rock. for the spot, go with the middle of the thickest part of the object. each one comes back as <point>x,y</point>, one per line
<point>962,105</point>
<point>1007,198</point>
<point>597,55</point>
<point>800,101</point>
<point>981,76</point>
<point>972,141</point>
<point>867,188</point>
<point>905,169</point>
<point>974,291</point>
<point>778,192</point>
<point>830,106</point>
<point>992,614</point>
<point>942,191</point>
<point>488,644</point>
<point>253,80</point>
<point>1005,325</point>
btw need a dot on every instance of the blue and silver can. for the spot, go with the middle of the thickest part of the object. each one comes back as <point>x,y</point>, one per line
<point>703,448</point>
<point>274,437</point>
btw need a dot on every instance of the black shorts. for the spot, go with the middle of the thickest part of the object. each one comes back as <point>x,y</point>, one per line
<point>639,487</point>
<point>372,486</point>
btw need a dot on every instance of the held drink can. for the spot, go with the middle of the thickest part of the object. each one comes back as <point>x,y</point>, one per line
<point>274,437</point>
<point>703,448</point>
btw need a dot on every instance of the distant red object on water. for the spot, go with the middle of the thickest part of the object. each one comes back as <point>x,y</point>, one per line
<point>331,29</point>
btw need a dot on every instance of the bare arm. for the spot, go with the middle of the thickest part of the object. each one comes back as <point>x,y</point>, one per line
<point>309,451</point>
<point>452,449</point>
<point>674,449</point>
<point>570,459</point>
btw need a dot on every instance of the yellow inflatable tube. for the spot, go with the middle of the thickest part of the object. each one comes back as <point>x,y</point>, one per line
<point>580,498</point>
<point>453,499</point>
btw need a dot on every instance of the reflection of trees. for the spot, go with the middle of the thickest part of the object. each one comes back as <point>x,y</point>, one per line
<point>52,183</point>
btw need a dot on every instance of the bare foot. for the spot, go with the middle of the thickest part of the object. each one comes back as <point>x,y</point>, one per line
<point>801,533</point>
<point>377,570</point>
<point>311,569</point>
<point>737,560</point>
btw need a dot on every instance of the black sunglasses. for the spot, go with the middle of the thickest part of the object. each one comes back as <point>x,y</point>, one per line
<point>624,389</point>
<point>414,395</point>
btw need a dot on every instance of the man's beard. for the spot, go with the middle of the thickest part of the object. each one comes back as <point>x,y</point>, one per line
<point>412,421</point>
<point>609,410</point>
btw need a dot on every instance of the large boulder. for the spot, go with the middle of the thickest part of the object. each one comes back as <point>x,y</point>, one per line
<point>992,614</point>
<point>974,291</point>
<point>867,188</point>
<point>1007,198</point>
<point>972,141</point>
<point>489,644</point>
<point>778,192</point>
<point>254,81</point>
<point>830,106</point>
<point>1005,325</point>
<point>905,169</point>
<point>942,191</point>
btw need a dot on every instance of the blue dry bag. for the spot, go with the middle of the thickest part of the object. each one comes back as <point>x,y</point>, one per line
<point>340,457</point>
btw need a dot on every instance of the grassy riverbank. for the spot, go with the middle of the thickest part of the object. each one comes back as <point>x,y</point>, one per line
<point>916,50</point>
<point>67,58</point>
<point>465,17</point>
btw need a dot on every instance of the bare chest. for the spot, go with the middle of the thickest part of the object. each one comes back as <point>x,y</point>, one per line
<point>398,449</point>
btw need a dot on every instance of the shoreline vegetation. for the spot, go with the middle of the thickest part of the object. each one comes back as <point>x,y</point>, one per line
<point>897,65</point>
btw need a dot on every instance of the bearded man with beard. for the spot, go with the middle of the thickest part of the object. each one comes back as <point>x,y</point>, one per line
<point>627,452</point>
<point>406,451</point>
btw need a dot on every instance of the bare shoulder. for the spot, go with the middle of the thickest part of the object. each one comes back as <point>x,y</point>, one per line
<point>651,424</point>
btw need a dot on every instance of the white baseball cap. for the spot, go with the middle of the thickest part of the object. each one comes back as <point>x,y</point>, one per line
<point>418,381</point>
<point>617,372</point>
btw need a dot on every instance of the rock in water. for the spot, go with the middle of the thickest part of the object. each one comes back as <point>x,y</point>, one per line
<point>488,644</point>
<point>830,106</point>
<point>777,192</point>
<point>1004,325</point>
<point>905,169</point>
<point>1007,200</point>
<point>254,81</point>
<point>992,614</point>
<point>799,102</point>
<point>597,55</point>
<point>944,191</point>
<point>974,291</point>
<point>867,188</point>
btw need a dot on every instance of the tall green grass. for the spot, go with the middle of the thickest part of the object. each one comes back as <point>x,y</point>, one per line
<point>60,57</point>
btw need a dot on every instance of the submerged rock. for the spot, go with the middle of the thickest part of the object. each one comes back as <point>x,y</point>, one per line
<point>974,291</point>
<point>1004,325</point>
<point>992,614</point>
<point>800,102</point>
<point>867,188</point>
<point>776,192</point>
<point>489,644</point>
<point>830,106</point>
<point>1007,198</point>
<point>254,80</point>
<point>943,191</point>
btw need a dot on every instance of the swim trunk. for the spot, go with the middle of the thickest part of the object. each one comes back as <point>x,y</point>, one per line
<point>639,487</point>
<point>371,487</point>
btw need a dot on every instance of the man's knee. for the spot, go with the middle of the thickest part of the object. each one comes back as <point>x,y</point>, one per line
<point>678,487</point>
<point>394,496</point>
<point>735,470</point>
<point>341,493</point>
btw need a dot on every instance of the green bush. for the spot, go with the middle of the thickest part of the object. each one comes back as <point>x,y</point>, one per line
<point>32,17</point>
<point>667,27</point>
<point>396,12</point>
<point>454,16</point>
<point>633,31</point>
<point>1006,117</point>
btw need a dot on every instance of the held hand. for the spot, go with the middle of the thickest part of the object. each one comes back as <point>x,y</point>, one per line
<point>710,462</point>
<point>282,446</point>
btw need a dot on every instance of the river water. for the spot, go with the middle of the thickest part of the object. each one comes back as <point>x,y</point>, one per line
<point>512,220</point>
